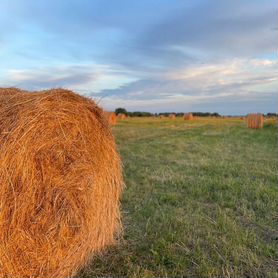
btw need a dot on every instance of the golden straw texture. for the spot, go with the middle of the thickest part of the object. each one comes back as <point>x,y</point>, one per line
<point>60,183</point>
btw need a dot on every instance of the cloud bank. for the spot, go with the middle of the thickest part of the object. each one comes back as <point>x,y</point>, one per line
<point>145,55</point>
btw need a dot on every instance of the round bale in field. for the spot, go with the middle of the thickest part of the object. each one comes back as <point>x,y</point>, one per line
<point>121,116</point>
<point>60,184</point>
<point>188,116</point>
<point>172,116</point>
<point>111,117</point>
<point>255,121</point>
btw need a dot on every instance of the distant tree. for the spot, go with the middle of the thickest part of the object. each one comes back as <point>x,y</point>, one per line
<point>166,114</point>
<point>139,114</point>
<point>272,115</point>
<point>179,114</point>
<point>120,111</point>
<point>205,114</point>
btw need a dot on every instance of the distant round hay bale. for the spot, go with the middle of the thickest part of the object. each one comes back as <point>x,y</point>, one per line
<point>61,180</point>
<point>172,116</point>
<point>161,117</point>
<point>121,116</point>
<point>188,116</point>
<point>111,117</point>
<point>255,121</point>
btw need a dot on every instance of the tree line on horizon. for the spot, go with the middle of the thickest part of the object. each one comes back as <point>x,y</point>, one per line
<point>179,114</point>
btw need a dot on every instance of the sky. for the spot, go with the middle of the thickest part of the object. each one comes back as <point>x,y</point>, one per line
<point>148,55</point>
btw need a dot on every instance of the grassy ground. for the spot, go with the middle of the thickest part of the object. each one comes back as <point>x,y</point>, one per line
<point>200,200</point>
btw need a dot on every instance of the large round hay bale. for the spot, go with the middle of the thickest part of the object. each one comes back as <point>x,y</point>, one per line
<point>60,183</point>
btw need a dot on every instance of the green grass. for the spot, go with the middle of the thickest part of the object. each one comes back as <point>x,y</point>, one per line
<point>200,200</point>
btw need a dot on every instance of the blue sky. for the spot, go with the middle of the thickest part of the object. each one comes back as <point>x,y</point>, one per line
<point>150,55</point>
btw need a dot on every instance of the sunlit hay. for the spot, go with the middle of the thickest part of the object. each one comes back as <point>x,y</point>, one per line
<point>7,93</point>
<point>60,177</point>
<point>121,116</point>
<point>255,121</point>
<point>161,117</point>
<point>188,116</point>
<point>10,91</point>
<point>172,116</point>
<point>111,117</point>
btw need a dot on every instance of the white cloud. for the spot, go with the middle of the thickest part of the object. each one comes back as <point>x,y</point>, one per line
<point>81,78</point>
<point>227,81</point>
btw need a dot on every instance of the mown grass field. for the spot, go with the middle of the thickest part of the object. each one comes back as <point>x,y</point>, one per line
<point>200,200</point>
